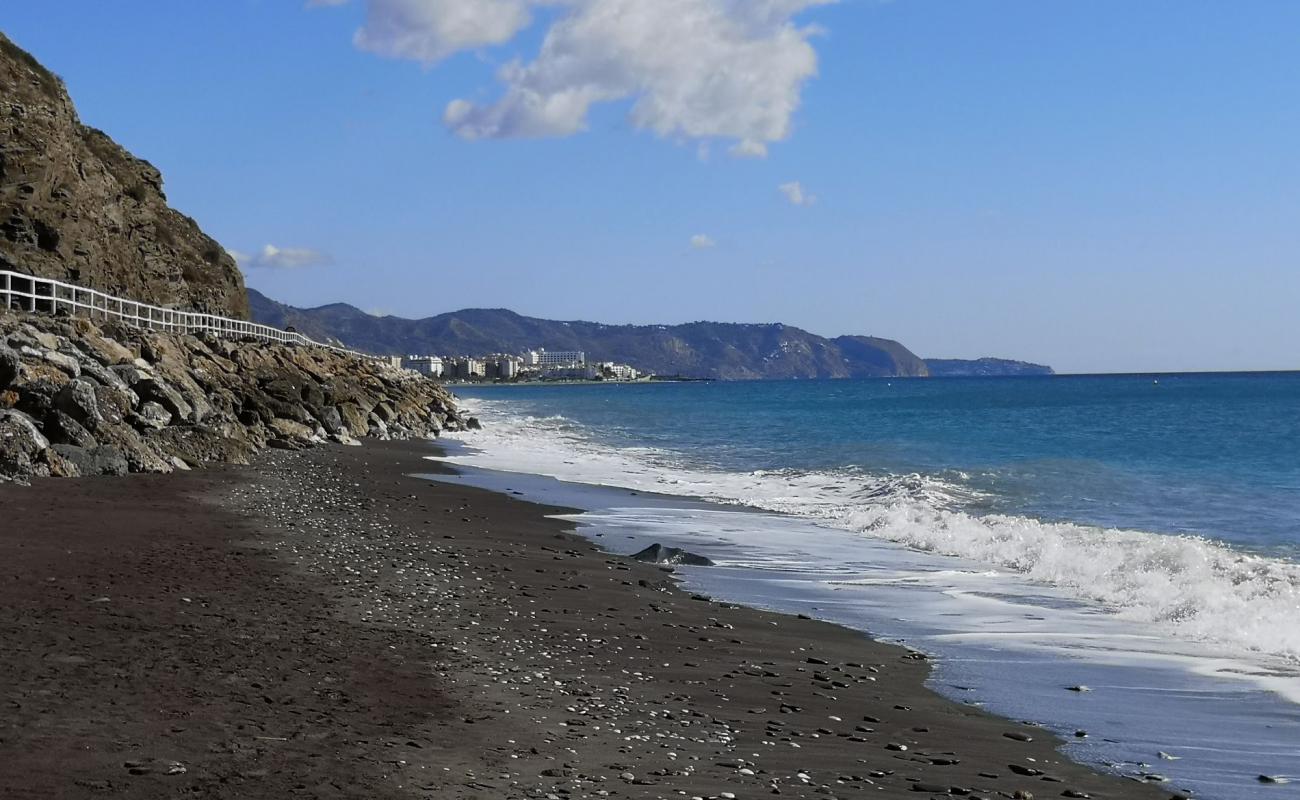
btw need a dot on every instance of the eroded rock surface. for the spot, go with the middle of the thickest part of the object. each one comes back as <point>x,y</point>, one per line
<point>77,207</point>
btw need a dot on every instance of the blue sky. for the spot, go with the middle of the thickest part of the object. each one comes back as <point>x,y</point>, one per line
<point>1101,185</point>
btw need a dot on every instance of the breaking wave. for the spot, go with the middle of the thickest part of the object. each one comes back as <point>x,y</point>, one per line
<point>1185,586</point>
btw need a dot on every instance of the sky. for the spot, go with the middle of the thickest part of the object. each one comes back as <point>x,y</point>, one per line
<point>1099,185</point>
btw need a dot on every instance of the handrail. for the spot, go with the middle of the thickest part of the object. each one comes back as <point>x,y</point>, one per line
<point>45,295</point>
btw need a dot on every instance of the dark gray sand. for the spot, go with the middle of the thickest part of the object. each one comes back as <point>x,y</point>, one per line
<point>321,625</point>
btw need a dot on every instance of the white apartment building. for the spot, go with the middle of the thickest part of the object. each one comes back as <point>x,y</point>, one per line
<point>544,359</point>
<point>425,365</point>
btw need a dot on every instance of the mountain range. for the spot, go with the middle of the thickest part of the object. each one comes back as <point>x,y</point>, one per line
<point>724,351</point>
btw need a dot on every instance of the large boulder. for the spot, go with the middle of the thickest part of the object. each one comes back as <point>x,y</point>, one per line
<point>21,442</point>
<point>105,460</point>
<point>159,391</point>
<point>659,554</point>
<point>152,416</point>
<point>77,399</point>
<point>63,429</point>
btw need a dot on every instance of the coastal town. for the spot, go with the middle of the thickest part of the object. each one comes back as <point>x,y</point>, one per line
<point>540,365</point>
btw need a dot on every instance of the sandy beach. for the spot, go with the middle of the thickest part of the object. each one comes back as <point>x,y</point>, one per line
<point>323,625</point>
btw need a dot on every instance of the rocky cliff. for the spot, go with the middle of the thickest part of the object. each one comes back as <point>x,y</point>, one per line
<point>79,400</point>
<point>77,207</point>
<point>720,350</point>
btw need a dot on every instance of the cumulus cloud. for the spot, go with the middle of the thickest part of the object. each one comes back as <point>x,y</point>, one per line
<point>693,69</point>
<point>794,192</point>
<point>272,257</point>
<point>430,30</point>
<point>702,242</point>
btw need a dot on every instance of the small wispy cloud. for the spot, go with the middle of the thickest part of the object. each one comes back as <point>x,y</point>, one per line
<point>701,241</point>
<point>795,193</point>
<point>272,257</point>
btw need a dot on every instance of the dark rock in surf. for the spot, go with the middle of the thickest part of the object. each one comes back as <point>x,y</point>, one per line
<point>658,554</point>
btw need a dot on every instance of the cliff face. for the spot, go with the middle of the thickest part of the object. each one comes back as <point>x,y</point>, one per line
<point>77,207</point>
<point>725,351</point>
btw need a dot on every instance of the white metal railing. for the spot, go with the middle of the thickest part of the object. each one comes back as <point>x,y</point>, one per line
<point>42,295</point>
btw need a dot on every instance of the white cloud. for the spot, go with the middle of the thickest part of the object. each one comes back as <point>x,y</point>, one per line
<point>794,192</point>
<point>702,242</point>
<point>693,69</point>
<point>430,30</point>
<point>272,257</point>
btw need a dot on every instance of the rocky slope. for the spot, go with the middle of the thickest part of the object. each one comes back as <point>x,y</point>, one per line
<point>77,207</point>
<point>699,349</point>
<point>78,400</point>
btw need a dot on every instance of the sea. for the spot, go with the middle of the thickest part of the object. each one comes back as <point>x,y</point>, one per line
<point>1115,558</point>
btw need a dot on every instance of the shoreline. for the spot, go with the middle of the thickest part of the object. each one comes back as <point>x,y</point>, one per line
<point>324,624</point>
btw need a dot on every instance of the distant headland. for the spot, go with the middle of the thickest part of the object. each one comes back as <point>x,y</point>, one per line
<point>715,350</point>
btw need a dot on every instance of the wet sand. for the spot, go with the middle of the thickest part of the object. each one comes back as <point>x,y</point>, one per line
<point>322,625</point>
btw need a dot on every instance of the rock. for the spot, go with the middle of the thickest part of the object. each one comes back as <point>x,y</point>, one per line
<point>160,392</point>
<point>63,429</point>
<point>23,429</point>
<point>115,405</point>
<point>473,424</point>
<point>47,341</point>
<point>10,366</point>
<point>294,431</point>
<point>152,415</point>
<point>20,443</point>
<point>131,374</point>
<point>78,456</point>
<point>141,456</point>
<point>658,554</point>
<point>93,211</point>
<point>105,351</point>
<point>66,363</point>
<point>103,460</point>
<point>78,401</point>
<point>354,418</point>
<point>332,421</point>
<point>100,373</point>
<point>200,400</point>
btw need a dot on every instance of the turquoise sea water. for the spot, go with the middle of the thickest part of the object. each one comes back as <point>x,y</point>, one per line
<point>1212,455</point>
<point>1139,534</point>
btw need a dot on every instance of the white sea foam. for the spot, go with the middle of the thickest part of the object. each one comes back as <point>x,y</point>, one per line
<point>1187,588</point>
